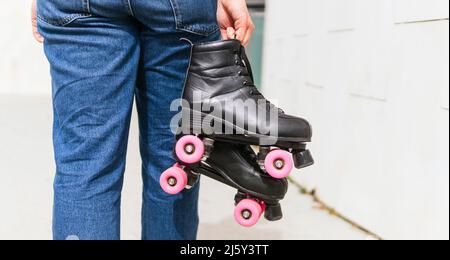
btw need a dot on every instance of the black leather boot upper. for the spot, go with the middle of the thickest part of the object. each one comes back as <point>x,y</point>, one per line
<point>239,164</point>
<point>220,72</point>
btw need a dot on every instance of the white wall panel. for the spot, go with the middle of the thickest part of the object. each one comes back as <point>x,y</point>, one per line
<point>23,68</point>
<point>341,14</point>
<point>376,91</point>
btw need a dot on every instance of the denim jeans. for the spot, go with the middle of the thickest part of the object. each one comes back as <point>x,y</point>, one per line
<point>103,55</point>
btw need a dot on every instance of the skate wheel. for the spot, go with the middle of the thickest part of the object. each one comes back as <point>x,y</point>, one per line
<point>190,149</point>
<point>263,207</point>
<point>173,180</point>
<point>247,212</point>
<point>279,164</point>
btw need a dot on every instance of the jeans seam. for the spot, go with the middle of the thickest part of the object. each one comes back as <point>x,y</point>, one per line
<point>130,9</point>
<point>64,21</point>
<point>176,14</point>
<point>87,6</point>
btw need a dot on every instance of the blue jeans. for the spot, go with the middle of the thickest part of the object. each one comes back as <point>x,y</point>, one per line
<point>103,54</point>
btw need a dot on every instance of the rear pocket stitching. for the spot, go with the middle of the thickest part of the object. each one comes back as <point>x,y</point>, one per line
<point>65,21</point>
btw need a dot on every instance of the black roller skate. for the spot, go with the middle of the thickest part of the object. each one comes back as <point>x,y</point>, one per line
<point>223,113</point>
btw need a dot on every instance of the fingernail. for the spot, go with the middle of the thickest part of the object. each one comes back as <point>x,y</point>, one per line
<point>230,33</point>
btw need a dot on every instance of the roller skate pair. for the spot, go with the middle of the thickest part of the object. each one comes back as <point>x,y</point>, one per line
<point>223,116</point>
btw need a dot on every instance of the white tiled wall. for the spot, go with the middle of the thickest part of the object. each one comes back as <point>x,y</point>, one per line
<point>372,77</point>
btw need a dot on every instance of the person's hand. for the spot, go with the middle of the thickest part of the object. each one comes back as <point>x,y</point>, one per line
<point>36,34</point>
<point>234,20</point>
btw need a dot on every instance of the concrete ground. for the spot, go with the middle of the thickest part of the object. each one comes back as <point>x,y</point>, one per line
<point>26,172</point>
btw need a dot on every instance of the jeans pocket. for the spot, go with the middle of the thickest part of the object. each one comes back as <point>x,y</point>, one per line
<point>196,16</point>
<point>62,12</point>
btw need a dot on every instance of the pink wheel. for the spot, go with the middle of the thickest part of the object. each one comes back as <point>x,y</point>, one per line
<point>173,180</point>
<point>190,149</point>
<point>263,207</point>
<point>247,212</point>
<point>279,164</point>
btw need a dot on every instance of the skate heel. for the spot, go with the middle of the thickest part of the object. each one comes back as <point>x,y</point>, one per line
<point>273,212</point>
<point>302,159</point>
